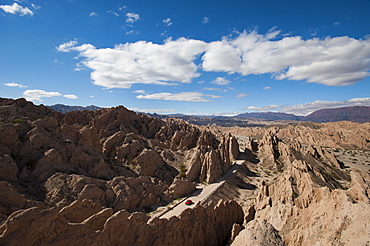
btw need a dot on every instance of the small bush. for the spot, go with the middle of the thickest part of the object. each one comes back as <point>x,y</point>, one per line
<point>19,120</point>
<point>183,171</point>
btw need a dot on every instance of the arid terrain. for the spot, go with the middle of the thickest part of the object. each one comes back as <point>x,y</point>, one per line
<point>114,177</point>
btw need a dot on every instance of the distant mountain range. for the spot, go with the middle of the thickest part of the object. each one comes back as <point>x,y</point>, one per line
<point>65,108</point>
<point>358,114</point>
<point>269,116</point>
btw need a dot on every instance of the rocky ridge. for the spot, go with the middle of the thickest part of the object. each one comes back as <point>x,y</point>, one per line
<point>306,196</point>
<point>70,167</point>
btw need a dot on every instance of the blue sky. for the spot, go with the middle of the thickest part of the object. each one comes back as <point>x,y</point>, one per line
<point>191,57</point>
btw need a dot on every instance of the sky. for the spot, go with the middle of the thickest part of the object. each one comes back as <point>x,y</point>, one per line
<point>187,57</point>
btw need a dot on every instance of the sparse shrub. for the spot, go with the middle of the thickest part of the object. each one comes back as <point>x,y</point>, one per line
<point>19,120</point>
<point>133,162</point>
<point>183,171</point>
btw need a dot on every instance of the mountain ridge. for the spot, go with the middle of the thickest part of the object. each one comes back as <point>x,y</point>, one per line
<point>359,114</point>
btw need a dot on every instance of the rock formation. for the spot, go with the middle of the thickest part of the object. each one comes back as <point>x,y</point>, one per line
<point>93,169</point>
<point>94,177</point>
<point>313,200</point>
<point>74,225</point>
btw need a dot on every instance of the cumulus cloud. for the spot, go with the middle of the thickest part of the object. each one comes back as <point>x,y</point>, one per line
<point>93,14</point>
<point>132,17</point>
<point>333,61</point>
<point>13,84</point>
<point>15,8</point>
<point>221,81</point>
<point>68,46</point>
<point>182,96</point>
<point>141,62</point>
<point>307,108</point>
<point>267,88</point>
<point>167,21</point>
<point>36,95</point>
<point>205,20</point>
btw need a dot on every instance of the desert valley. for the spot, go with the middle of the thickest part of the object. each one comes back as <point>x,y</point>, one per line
<point>115,177</point>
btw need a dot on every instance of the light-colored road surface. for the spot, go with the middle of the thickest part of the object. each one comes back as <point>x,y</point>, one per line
<point>201,194</point>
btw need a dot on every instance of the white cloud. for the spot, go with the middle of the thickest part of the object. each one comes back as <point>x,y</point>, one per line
<point>36,95</point>
<point>132,17</point>
<point>221,81</point>
<point>141,62</point>
<point>139,91</point>
<point>35,6</point>
<point>241,95</point>
<point>182,96</point>
<point>214,89</point>
<point>307,108</point>
<point>13,84</point>
<point>68,46</point>
<point>164,110</point>
<point>112,12</point>
<point>205,20</point>
<point>93,14</point>
<point>264,108</point>
<point>334,61</point>
<point>167,21</point>
<point>70,96</point>
<point>267,88</point>
<point>16,9</point>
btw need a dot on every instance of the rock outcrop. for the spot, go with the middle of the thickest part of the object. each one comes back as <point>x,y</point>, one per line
<point>208,225</point>
<point>313,200</point>
<point>112,156</point>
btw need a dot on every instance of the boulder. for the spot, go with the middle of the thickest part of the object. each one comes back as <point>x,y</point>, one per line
<point>181,187</point>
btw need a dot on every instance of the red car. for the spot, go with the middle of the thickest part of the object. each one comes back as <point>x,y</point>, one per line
<point>189,202</point>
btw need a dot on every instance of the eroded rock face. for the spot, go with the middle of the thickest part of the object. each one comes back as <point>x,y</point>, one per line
<point>306,205</point>
<point>342,134</point>
<point>259,233</point>
<point>122,228</point>
<point>60,158</point>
